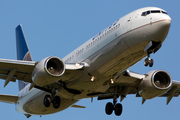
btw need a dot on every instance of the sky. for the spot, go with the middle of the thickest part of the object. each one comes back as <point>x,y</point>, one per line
<point>55,28</point>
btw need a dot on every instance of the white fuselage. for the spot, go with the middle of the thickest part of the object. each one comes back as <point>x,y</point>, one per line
<point>111,51</point>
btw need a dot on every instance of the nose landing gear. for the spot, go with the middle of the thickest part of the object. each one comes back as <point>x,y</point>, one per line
<point>152,47</point>
<point>148,61</point>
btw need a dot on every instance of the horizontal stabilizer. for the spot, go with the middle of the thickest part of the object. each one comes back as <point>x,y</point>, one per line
<point>9,98</point>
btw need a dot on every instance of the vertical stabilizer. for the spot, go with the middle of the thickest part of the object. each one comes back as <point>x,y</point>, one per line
<point>23,52</point>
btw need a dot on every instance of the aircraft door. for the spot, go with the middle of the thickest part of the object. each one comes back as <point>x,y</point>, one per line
<point>129,24</point>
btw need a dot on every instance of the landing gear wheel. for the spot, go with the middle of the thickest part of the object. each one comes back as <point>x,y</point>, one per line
<point>151,62</point>
<point>56,102</point>
<point>148,61</point>
<point>47,100</point>
<point>109,108</point>
<point>118,109</point>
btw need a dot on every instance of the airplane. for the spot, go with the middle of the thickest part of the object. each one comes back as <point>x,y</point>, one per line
<point>98,68</point>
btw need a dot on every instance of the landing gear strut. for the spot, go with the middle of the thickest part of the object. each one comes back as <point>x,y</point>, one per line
<point>152,47</point>
<point>113,106</point>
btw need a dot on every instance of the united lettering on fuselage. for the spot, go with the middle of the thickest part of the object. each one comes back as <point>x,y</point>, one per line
<point>96,39</point>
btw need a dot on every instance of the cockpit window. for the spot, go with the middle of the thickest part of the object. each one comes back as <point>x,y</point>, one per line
<point>152,11</point>
<point>155,11</point>
<point>164,12</point>
<point>143,14</point>
<point>148,12</point>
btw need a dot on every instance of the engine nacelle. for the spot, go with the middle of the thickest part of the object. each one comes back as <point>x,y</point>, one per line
<point>155,84</point>
<point>48,71</point>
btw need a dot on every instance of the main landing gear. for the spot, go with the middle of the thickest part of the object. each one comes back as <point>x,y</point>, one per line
<point>55,100</point>
<point>113,106</point>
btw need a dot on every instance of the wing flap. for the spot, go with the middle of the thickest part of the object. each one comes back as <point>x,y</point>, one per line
<point>9,98</point>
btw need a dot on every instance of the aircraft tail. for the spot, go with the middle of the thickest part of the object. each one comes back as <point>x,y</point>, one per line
<point>23,52</point>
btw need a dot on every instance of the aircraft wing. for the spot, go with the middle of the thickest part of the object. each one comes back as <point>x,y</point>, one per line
<point>128,83</point>
<point>10,70</point>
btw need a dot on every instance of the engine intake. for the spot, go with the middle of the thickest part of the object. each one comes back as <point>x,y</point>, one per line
<point>155,84</point>
<point>54,66</point>
<point>48,71</point>
<point>161,80</point>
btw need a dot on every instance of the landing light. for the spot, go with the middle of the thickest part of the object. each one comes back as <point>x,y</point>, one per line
<point>92,78</point>
<point>112,81</point>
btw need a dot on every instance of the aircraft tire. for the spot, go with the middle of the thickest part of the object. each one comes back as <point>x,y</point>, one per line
<point>109,108</point>
<point>56,102</point>
<point>47,100</point>
<point>151,62</point>
<point>118,109</point>
<point>146,62</point>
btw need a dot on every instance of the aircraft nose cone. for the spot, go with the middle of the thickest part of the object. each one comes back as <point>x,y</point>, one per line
<point>168,19</point>
<point>160,27</point>
<point>164,26</point>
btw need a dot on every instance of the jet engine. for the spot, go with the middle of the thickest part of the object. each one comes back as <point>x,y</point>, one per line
<point>48,71</point>
<point>155,84</point>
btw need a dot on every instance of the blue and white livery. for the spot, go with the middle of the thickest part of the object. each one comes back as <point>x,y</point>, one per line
<point>98,68</point>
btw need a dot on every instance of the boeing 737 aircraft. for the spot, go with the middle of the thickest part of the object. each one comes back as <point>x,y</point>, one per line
<point>98,68</point>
